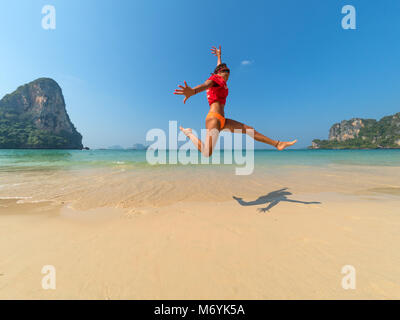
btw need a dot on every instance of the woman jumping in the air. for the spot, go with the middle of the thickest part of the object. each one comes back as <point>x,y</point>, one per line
<point>217,91</point>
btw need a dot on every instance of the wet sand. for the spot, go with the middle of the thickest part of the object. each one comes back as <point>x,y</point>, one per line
<point>180,234</point>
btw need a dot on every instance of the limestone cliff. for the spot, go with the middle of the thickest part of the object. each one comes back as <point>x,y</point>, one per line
<point>34,116</point>
<point>360,133</point>
<point>347,129</point>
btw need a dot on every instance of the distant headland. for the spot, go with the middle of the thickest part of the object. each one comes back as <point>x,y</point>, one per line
<point>34,117</point>
<point>360,133</point>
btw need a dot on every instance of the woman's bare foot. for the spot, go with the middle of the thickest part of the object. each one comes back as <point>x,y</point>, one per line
<point>186,131</point>
<point>284,144</point>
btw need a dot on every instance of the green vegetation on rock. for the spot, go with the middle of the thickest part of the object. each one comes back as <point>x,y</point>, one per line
<point>34,116</point>
<point>363,134</point>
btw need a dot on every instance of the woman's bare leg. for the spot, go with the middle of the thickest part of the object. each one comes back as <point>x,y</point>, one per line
<point>206,148</point>
<point>233,125</point>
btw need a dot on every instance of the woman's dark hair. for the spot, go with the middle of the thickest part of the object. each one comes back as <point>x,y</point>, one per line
<point>219,67</point>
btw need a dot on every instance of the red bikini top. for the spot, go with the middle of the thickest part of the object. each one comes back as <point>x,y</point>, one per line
<point>219,91</point>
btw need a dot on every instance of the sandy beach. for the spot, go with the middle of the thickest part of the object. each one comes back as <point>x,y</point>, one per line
<point>212,150</point>
<point>200,233</point>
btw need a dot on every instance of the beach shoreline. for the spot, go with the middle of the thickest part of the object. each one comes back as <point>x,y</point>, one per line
<point>119,230</point>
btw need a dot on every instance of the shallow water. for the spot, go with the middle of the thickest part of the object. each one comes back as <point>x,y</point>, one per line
<point>133,159</point>
<point>124,179</point>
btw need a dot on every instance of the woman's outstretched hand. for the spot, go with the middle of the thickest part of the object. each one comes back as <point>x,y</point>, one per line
<point>186,91</point>
<point>216,52</point>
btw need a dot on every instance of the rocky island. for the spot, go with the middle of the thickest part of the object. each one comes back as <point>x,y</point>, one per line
<point>360,133</point>
<point>34,117</point>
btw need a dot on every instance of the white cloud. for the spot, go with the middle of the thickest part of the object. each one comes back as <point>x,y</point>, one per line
<point>246,62</point>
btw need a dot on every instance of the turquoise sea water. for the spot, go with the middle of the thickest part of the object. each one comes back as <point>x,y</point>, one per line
<point>11,160</point>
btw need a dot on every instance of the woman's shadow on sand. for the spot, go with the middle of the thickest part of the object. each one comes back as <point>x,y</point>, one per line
<point>273,198</point>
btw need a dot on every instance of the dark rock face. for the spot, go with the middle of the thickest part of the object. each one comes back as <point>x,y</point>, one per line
<point>34,116</point>
<point>362,134</point>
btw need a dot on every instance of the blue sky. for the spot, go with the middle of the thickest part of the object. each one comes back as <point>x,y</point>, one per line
<point>118,62</point>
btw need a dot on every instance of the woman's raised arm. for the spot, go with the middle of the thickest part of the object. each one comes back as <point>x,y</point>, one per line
<point>218,53</point>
